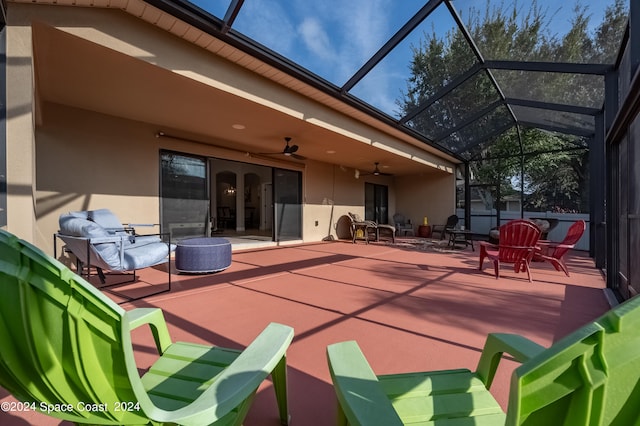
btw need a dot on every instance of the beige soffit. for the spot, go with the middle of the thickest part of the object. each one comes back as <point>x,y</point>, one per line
<point>171,24</point>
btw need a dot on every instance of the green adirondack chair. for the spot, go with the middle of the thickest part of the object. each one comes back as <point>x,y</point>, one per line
<point>65,349</point>
<point>591,377</point>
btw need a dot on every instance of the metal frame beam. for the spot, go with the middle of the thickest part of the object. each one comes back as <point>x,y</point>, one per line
<point>3,13</point>
<point>476,51</point>
<point>230,16</point>
<point>540,152</point>
<point>444,90</point>
<point>495,133</point>
<point>634,36</point>
<point>597,190</point>
<point>557,129</point>
<point>575,109</point>
<point>478,115</point>
<point>3,118</point>
<point>559,67</point>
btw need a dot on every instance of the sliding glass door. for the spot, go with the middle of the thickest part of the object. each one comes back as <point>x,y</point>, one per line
<point>287,198</point>
<point>184,195</point>
<point>376,203</point>
<point>268,201</point>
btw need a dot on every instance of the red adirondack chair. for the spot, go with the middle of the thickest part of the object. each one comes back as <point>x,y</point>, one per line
<point>554,252</point>
<point>517,245</point>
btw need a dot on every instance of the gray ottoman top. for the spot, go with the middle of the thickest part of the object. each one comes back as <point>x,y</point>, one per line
<point>204,242</point>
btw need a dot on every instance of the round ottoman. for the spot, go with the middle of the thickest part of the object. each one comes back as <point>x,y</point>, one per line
<point>203,255</point>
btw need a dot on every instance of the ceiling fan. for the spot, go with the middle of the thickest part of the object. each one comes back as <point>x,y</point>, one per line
<point>376,171</point>
<point>289,150</point>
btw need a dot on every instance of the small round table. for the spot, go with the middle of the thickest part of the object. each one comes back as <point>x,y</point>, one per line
<point>203,255</point>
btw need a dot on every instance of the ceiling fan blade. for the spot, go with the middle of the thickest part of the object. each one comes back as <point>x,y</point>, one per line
<point>288,150</point>
<point>376,172</point>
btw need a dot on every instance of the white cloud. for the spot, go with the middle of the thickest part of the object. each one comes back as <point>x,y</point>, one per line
<point>343,36</point>
<point>316,39</point>
<point>270,25</point>
<point>332,38</point>
<point>367,29</point>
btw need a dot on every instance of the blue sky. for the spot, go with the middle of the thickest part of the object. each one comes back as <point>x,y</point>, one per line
<point>334,38</point>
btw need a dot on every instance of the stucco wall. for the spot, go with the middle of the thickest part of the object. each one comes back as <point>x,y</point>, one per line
<point>20,133</point>
<point>332,191</point>
<point>86,160</point>
<point>432,195</point>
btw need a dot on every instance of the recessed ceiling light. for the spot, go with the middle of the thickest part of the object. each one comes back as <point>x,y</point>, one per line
<point>239,126</point>
<point>331,151</point>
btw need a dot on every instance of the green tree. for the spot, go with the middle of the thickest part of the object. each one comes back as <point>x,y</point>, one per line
<point>609,33</point>
<point>555,173</point>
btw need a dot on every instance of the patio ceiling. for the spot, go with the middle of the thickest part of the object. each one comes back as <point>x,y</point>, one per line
<point>77,73</point>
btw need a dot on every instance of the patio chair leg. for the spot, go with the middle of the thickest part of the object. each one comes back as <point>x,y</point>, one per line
<point>526,265</point>
<point>279,377</point>
<point>560,266</point>
<point>243,408</point>
<point>483,255</point>
<point>341,417</point>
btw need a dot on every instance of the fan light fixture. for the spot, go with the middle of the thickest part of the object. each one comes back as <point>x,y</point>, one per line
<point>289,149</point>
<point>376,171</point>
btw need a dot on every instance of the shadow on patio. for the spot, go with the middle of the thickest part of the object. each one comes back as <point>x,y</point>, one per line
<point>408,309</point>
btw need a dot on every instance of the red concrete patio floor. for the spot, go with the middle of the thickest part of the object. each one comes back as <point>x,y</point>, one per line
<point>410,310</point>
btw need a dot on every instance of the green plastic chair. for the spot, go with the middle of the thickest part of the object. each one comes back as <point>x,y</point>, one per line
<point>591,377</point>
<point>65,349</point>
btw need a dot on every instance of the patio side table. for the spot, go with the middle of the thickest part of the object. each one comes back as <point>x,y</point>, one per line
<point>203,255</point>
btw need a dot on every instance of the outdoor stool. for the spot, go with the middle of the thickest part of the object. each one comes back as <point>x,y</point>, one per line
<point>203,255</point>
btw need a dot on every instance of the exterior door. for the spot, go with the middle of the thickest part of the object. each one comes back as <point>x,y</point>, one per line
<point>287,204</point>
<point>184,199</point>
<point>376,203</point>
